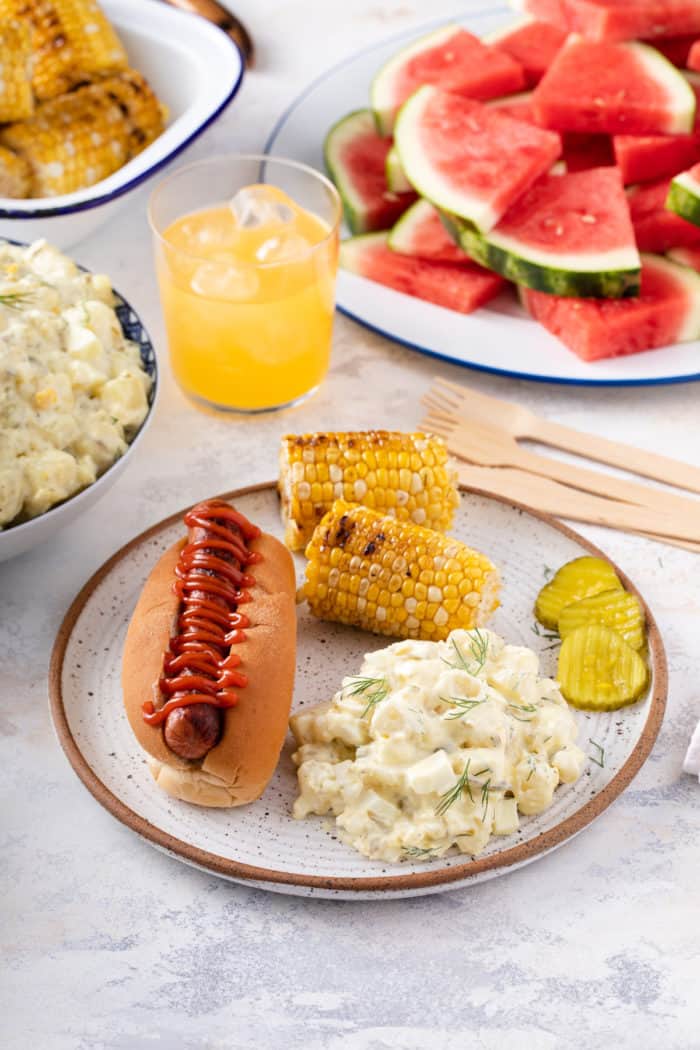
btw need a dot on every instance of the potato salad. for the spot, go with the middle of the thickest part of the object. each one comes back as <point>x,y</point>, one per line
<point>434,745</point>
<point>73,390</point>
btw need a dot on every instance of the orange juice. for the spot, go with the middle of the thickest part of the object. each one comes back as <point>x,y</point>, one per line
<point>247,294</point>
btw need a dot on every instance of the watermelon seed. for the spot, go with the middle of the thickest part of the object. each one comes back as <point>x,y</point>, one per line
<point>591,219</point>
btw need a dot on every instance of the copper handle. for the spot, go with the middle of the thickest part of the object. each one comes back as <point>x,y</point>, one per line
<point>214,12</point>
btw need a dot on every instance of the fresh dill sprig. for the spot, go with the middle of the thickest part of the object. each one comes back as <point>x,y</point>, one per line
<point>548,635</point>
<point>527,708</point>
<point>451,796</point>
<point>478,647</point>
<point>418,852</point>
<point>533,765</point>
<point>461,705</point>
<point>599,759</point>
<point>374,691</point>
<point>14,299</point>
<point>485,791</point>
<point>547,572</point>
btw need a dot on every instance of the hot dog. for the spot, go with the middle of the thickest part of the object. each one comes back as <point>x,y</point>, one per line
<point>209,657</point>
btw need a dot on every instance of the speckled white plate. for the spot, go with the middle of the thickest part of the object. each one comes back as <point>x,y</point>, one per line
<point>261,844</point>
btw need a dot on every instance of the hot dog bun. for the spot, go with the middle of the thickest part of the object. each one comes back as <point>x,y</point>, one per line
<point>239,767</point>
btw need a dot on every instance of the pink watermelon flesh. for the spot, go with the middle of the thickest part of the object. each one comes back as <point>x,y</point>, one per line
<point>519,107</point>
<point>533,45</point>
<point>599,328</point>
<point>655,228</point>
<point>430,240</point>
<point>452,285</point>
<point>365,158</point>
<point>462,65</point>
<point>467,144</point>
<point>694,56</point>
<point>676,48</point>
<point>644,158</point>
<point>600,88</point>
<point>581,152</point>
<point>616,20</point>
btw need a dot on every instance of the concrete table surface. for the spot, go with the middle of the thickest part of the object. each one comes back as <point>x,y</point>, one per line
<point>109,945</point>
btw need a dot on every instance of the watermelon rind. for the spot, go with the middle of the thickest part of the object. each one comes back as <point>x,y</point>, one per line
<point>690,329</point>
<point>341,133</point>
<point>684,197</point>
<point>603,275</point>
<point>395,175</point>
<point>382,98</point>
<point>352,249</point>
<point>404,236</point>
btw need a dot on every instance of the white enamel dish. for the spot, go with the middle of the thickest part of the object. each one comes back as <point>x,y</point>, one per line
<point>261,844</point>
<point>498,338</point>
<point>194,68</point>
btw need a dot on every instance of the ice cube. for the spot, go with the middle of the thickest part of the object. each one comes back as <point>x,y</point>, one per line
<point>288,248</point>
<point>225,280</point>
<point>255,206</point>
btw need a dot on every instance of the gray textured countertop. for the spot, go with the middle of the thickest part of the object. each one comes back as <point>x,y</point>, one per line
<point>107,943</point>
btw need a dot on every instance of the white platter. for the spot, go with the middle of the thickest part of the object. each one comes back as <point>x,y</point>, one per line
<point>261,844</point>
<point>498,338</point>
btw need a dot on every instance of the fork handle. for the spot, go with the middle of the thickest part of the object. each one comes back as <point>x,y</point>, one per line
<point>636,460</point>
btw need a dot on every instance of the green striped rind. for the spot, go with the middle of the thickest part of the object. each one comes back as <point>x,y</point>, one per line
<point>603,284</point>
<point>684,198</point>
<point>348,127</point>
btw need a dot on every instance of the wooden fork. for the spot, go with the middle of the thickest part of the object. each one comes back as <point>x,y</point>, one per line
<point>520,422</point>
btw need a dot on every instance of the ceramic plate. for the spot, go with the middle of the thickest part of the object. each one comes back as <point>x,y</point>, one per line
<point>498,338</point>
<point>261,844</point>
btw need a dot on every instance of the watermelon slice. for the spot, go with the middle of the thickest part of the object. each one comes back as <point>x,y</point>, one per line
<point>450,58</point>
<point>655,228</point>
<point>684,196</point>
<point>667,311</point>
<point>614,88</point>
<point>567,235</point>
<point>694,56</point>
<point>519,107</point>
<point>618,19</point>
<point>454,286</point>
<point>356,159</point>
<point>645,158</point>
<point>452,150</point>
<point>531,43</point>
<point>395,175</point>
<point>420,232</point>
<point>686,257</point>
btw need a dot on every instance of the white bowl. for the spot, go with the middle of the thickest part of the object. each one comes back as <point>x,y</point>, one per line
<point>16,539</point>
<point>194,68</point>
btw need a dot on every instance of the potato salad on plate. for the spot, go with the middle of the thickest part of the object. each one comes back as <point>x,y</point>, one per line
<point>434,745</point>
<point>73,389</point>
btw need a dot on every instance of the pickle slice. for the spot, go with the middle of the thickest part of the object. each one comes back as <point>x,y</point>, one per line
<point>578,579</point>
<point>616,609</point>
<point>599,671</point>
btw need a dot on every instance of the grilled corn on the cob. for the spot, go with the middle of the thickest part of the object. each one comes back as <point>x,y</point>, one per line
<point>143,111</point>
<point>15,176</point>
<point>71,41</point>
<point>395,578</point>
<point>16,98</point>
<point>408,476</point>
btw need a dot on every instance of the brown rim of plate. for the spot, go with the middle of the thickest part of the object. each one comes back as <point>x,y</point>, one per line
<point>430,877</point>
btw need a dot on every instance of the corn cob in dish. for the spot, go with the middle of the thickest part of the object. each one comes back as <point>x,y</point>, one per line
<point>408,476</point>
<point>16,97</point>
<point>15,175</point>
<point>71,41</point>
<point>396,578</point>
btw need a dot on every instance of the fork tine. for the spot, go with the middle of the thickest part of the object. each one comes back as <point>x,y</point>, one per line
<point>444,396</point>
<point>433,400</point>
<point>437,425</point>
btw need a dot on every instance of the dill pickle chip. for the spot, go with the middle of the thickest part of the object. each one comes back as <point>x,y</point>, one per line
<point>578,579</point>
<point>599,671</point>
<point>617,609</point>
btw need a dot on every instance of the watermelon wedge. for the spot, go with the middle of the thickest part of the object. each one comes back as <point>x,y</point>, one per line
<point>645,158</point>
<point>617,20</point>
<point>450,58</point>
<point>568,235</point>
<point>686,257</point>
<point>356,161</point>
<point>684,196</point>
<point>395,175</point>
<point>519,107</point>
<point>420,233</point>
<point>655,227</point>
<point>454,286</point>
<point>452,150</point>
<point>667,311</point>
<point>531,43</point>
<point>614,88</point>
<point>694,56</point>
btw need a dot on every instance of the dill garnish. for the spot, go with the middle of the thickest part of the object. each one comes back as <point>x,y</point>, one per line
<point>478,647</point>
<point>461,704</point>
<point>419,852</point>
<point>599,759</point>
<point>548,635</point>
<point>455,792</point>
<point>485,797</point>
<point>374,691</point>
<point>14,299</point>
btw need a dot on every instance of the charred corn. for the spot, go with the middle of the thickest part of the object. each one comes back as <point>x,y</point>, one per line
<point>71,41</point>
<point>408,476</point>
<point>395,578</point>
<point>15,176</point>
<point>144,113</point>
<point>16,97</point>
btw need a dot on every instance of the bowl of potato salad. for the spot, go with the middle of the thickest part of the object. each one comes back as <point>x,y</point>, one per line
<point>77,387</point>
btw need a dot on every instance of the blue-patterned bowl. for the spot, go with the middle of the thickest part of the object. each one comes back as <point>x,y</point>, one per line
<point>16,539</point>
